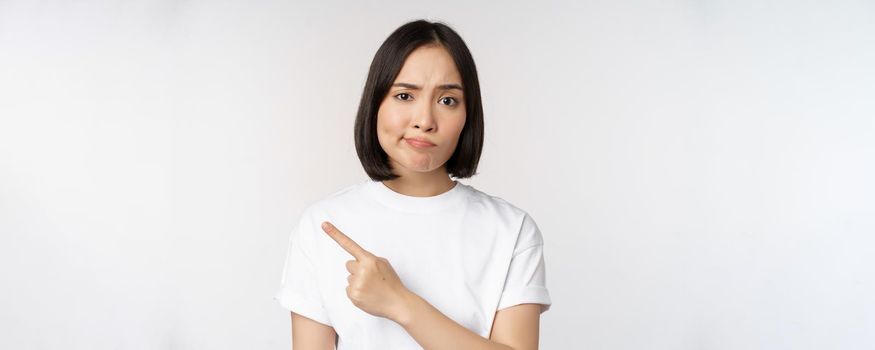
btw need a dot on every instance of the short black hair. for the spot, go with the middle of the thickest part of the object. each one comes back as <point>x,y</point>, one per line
<point>384,69</point>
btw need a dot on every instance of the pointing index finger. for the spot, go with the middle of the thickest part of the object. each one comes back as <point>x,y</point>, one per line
<point>345,242</point>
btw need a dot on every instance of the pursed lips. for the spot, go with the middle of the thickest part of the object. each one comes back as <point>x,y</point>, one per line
<point>419,142</point>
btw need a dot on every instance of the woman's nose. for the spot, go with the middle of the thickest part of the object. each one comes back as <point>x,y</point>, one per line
<point>424,119</point>
<point>424,127</point>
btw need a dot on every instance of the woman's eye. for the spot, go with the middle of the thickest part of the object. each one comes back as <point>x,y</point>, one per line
<point>453,103</point>
<point>404,94</point>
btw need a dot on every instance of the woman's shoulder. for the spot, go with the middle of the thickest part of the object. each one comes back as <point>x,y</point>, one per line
<point>517,219</point>
<point>495,203</point>
<point>345,195</point>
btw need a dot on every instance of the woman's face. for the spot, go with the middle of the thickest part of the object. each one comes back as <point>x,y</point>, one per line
<point>425,102</point>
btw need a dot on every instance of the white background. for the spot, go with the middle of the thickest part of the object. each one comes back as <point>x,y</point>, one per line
<point>702,171</point>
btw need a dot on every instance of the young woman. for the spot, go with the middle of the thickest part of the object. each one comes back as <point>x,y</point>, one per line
<point>412,258</point>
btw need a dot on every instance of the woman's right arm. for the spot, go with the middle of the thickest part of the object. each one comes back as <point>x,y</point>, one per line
<point>311,335</point>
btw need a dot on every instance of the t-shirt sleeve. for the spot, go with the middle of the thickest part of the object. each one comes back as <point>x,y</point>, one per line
<point>526,280</point>
<point>298,290</point>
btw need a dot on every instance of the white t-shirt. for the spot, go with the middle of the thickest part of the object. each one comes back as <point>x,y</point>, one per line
<point>466,253</point>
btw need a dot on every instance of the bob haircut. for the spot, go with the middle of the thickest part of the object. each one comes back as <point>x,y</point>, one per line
<point>384,69</point>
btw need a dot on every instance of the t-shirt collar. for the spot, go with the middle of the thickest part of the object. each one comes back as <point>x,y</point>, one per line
<point>402,202</point>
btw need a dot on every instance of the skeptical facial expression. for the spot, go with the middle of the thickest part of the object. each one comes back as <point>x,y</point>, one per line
<point>420,119</point>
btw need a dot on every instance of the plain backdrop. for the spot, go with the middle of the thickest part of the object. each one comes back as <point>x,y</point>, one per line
<point>702,171</point>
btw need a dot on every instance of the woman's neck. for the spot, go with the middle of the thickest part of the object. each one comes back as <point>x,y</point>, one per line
<point>418,184</point>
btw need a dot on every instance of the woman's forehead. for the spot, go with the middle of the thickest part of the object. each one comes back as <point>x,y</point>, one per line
<point>429,65</point>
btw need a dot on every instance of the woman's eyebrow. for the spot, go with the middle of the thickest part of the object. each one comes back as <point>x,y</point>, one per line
<point>440,87</point>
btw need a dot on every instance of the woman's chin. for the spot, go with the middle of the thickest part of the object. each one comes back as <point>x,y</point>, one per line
<point>419,166</point>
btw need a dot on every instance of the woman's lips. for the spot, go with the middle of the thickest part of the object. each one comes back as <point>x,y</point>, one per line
<point>419,143</point>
